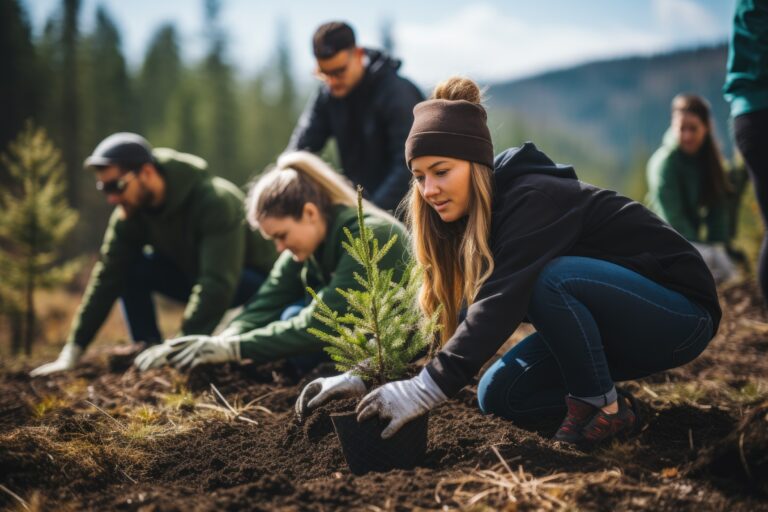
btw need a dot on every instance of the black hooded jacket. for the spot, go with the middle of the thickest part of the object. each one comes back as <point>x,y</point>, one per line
<point>370,126</point>
<point>541,211</point>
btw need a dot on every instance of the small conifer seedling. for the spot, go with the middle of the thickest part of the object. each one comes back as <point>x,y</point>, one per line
<point>383,328</point>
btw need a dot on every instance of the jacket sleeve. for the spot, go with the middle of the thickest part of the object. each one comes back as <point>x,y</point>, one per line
<point>398,118</point>
<point>221,259</point>
<point>122,246</point>
<point>533,230</point>
<point>285,338</point>
<point>282,288</point>
<point>313,129</point>
<point>669,190</point>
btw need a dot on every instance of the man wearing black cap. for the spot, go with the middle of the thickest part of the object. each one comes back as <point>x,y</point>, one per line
<point>366,107</point>
<point>177,230</point>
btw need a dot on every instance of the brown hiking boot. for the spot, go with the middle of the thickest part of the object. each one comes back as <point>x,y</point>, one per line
<point>578,415</point>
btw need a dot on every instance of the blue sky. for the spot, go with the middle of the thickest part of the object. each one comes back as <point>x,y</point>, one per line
<point>488,40</point>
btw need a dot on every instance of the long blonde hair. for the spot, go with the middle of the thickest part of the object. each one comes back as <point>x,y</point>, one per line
<point>456,257</point>
<point>300,177</point>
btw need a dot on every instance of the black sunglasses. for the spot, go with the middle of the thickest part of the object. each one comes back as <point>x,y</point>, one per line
<point>114,186</point>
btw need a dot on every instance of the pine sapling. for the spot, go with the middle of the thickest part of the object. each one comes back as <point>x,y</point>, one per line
<point>35,223</point>
<point>383,329</point>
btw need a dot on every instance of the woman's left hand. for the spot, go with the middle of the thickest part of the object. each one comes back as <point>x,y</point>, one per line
<point>401,402</point>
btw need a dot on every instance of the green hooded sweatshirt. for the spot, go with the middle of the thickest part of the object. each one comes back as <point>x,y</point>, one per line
<point>674,193</point>
<point>263,336</point>
<point>201,228</point>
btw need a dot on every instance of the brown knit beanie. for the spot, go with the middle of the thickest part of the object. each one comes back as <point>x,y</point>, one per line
<point>452,128</point>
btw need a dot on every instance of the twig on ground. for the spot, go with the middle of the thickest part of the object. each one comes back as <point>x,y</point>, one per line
<point>743,458</point>
<point>127,476</point>
<point>238,416</point>
<point>15,496</point>
<point>105,413</point>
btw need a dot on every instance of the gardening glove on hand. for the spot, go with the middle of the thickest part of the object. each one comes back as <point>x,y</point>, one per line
<point>324,389</point>
<point>67,360</point>
<point>401,401</point>
<point>159,355</point>
<point>208,350</point>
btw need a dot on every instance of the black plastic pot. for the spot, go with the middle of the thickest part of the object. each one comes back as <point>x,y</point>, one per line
<point>366,451</point>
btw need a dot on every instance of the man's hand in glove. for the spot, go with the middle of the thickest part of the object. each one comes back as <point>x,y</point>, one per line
<point>67,360</point>
<point>401,401</point>
<point>159,355</point>
<point>324,389</point>
<point>208,350</point>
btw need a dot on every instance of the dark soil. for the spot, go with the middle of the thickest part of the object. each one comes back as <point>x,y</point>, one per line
<point>58,451</point>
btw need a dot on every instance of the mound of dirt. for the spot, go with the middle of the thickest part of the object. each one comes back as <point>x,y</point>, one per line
<point>740,460</point>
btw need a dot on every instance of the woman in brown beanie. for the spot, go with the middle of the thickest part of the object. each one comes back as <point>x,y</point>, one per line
<point>613,292</point>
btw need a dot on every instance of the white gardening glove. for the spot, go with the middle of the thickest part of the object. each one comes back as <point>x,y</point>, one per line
<point>157,356</point>
<point>401,401</point>
<point>67,360</point>
<point>324,389</point>
<point>208,350</point>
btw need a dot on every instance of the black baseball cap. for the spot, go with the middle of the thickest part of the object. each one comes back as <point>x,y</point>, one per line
<point>332,37</point>
<point>125,149</point>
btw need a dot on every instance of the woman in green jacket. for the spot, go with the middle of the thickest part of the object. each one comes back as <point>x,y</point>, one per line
<point>687,185</point>
<point>304,207</point>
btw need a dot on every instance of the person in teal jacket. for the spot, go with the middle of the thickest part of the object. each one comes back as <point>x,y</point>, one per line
<point>746,89</point>
<point>304,207</point>
<point>176,229</point>
<point>688,187</point>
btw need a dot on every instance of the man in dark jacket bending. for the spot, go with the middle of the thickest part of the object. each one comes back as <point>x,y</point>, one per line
<point>366,107</point>
<point>177,230</point>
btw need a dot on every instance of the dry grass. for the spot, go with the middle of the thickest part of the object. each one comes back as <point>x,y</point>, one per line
<point>501,487</point>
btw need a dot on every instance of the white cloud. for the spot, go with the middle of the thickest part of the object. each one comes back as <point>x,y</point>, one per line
<point>486,44</point>
<point>686,16</point>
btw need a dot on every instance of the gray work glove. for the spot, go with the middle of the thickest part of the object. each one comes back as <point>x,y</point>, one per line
<point>401,401</point>
<point>159,355</point>
<point>324,389</point>
<point>67,360</point>
<point>208,350</point>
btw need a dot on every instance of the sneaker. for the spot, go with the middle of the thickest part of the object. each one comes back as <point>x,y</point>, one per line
<point>603,426</point>
<point>578,415</point>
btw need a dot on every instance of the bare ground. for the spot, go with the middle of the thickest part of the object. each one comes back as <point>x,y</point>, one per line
<point>103,438</point>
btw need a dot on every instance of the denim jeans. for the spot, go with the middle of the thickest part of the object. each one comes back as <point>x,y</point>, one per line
<point>304,363</point>
<point>596,323</point>
<point>156,273</point>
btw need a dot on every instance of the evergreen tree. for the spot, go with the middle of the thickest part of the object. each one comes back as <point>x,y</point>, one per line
<point>105,87</point>
<point>270,108</point>
<point>220,118</point>
<point>383,329</point>
<point>159,82</point>
<point>20,86</point>
<point>35,222</point>
<point>70,101</point>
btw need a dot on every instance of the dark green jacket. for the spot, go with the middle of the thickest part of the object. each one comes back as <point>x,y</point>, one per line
<point>746,82</point>
<point>201,228</point>
<point>674,192</point>
<point>264,337</point>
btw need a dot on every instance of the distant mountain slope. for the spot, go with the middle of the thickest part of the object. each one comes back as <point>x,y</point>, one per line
<point>620,106</point>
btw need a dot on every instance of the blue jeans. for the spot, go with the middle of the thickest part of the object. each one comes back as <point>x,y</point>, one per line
<point>304,363</point>
<point>596,323</point>
<point>156,273</point>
